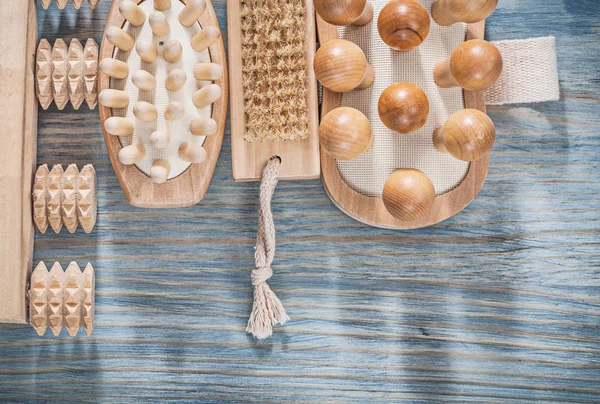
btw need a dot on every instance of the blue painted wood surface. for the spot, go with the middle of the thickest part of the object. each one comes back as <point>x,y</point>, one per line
<point>501,303</point>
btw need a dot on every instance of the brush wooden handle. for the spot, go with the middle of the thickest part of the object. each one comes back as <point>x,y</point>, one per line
<point>448,12</point>
<point>408,194</point>
<point>345,133</point>
<point>344,12</point>
<point>403,24</point>
<point>341,66</point>
<point>474,65</point>
<point>403,107</point>
<point>467,135</point>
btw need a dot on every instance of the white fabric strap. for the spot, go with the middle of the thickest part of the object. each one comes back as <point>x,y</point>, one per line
<point>530,72</point>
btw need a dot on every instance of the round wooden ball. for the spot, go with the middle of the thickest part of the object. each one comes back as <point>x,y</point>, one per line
<point>476,64</point>
<point>408,194</point>
<point>340,65</point>
<point>403,107</point>
<point>343,12</point>
<point>403,24</point>
<point>468,134</point>
<point>345,133</point>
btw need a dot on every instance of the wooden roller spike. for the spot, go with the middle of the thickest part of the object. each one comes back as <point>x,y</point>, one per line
<point>87,203</point>
<point>62,299</point>
<point>43,74</point>
<point>192,153</point>
<point>120,38</point>
<point>132,154</point>
<point>39,308</point>
<point>162,5</point>
<point>68,198</point>
<point>203,127</point>
<point>144,111</point>
<point>207,95</point>
<point>146,51</point>
<point>448,12</point>
<point>46,3</point>
<point>76,74</point>
<point>345,12</point>
<point>61,4</point>
<point>113,98</point>
<point>160,139</point>
<point>60,73</point>
<point>205,38</point>
<point>118,126</point>
<point>192,12</point>
<point>160,171</point>
<point>467,135</point>
<point>174,111</point>
<point>345,133</point>
<point>175,80</point>
<point>172,51</point>
<point>408,194</point>
<point>208,71</point>
<point>341,66</point>
<point>159,24</point>
<point>77,4</point>
<point>143,80</point>
<point>474,65</point>
<point>93,3</point>
<point>54,195</point>
<point>41,198</point>
<point>114,68</point>
<point>132,13</point>
<point>90,56</point>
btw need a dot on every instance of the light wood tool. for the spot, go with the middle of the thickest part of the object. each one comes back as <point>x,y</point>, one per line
<point>278,117</point>
<point>403,24</point>
<point>67,73</point>
<point>345,133</point>
<point>19,136</point>
<point>403,107</point>
<point>344,12</point>
<point>150,104</point>
<point>65,197</point>
<point>342,66</point>
<point>448,12</point>
<point>61,4</point>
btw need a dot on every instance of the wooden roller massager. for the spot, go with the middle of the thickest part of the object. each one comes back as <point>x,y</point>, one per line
<point>408,198</point>
<point>61,4</point>
<point>163,99</point>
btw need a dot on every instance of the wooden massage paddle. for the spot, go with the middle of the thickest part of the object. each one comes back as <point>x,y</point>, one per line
<point>163,99</point>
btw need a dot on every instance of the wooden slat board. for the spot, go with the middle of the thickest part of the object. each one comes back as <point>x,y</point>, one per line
<point>299,158</point>
<point>188,188</point>
<point>18,122</point>
<point>371,210</point>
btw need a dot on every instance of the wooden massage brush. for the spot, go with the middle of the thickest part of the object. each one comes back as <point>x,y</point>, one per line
<point>163,99</point>
<point>53,299</point>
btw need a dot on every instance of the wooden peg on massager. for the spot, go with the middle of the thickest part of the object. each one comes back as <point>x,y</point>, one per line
<point>162,5</point>
<point>408,194</point>
<point>341,66</point>
<point>203,127</point>
<point>192,12</point>
<point>118,126</point>
<point>143,80</point>
<point>132,154</point>
<point>205,38</point>
<point>192,153</point>
<point>119,38</point>
<point>113,98</point>
<point>160,139</point>
<point>448,12</point>
<point>207,95</point>
<point>467,135</point>
<point>174,111</point>
<point>132,13</point>
<point>345,133</point>
<point>403,107</point>
<point>160,171</point>
<point>474,65</point>
<point>144,111</point>
<point>208,71</point>
<point>403,24</point>
<point>146,51</point>
<point>345,12</point>
<point>159,24</point>
<point>175,80</point>
<point>173,51</point>
<point>114,68</point>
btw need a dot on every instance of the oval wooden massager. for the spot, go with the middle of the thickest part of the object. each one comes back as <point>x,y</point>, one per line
<point>163,98</point>
<point>411,147</point>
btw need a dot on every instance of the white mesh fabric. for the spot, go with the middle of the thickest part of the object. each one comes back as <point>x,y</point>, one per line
<point>368,172</point>
<point>179,130</point>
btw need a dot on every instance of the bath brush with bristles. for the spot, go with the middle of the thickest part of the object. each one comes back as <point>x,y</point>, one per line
<point>163,98</point>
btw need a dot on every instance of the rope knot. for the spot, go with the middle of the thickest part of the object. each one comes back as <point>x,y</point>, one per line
<point>261,275</point>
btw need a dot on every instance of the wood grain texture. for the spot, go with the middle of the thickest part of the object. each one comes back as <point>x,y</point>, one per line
<point>188,188</point>
<point>500,303</point>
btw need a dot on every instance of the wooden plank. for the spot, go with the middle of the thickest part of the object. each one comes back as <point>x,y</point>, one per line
<point>300,158</point>
<point>18,119</point>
